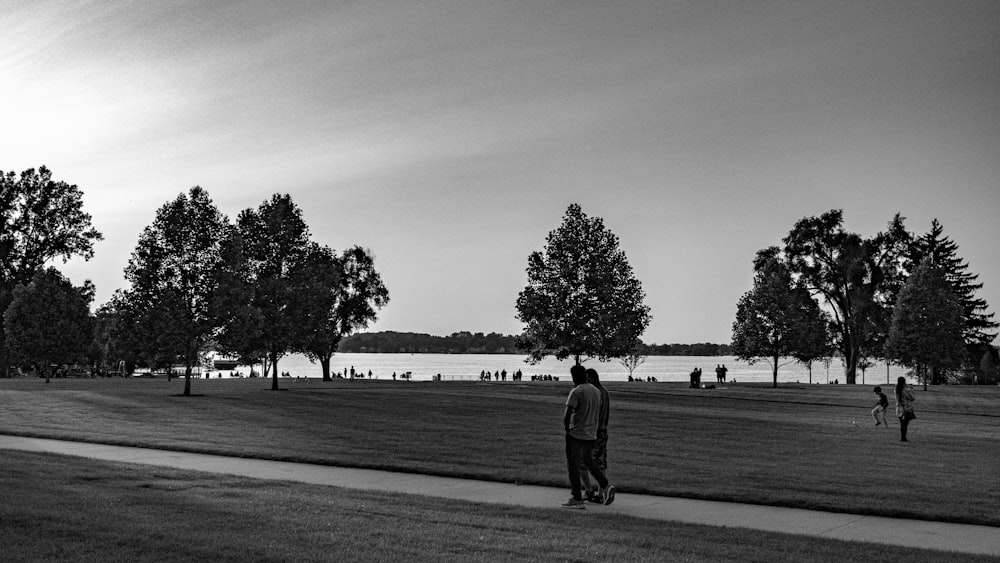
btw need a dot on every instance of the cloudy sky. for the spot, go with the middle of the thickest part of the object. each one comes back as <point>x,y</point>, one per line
<point>450,137</point>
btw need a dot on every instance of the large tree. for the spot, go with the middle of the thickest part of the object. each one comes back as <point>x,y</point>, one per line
<point>173,276</point>
<point>582,299</point>
<point>777,318</point>
<point>927,324</point>
<point>40,220</point>
<point>355,293</point>
<point>854,277</point>
<point>275,249</point>
<point>48,322</point>
<point>979,327</point>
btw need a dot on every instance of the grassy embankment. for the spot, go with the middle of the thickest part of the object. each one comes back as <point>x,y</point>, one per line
<point>792,446</point>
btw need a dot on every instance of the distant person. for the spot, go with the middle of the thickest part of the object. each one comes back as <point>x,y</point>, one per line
<point>904,406</point>
<point>718,373</point>
<point>724,371</point>
<point>592,492</point>
<point>882,403</point>
<point>696,378</point>
<point>580,421</point>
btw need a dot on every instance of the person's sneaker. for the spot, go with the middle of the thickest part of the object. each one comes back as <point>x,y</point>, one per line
<point>595,497</point>
<point>877,423</point>
<point>609,494</point>
<point>574,503</point>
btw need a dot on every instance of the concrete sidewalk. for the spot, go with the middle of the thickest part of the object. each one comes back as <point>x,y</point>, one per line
<point>911,533</point>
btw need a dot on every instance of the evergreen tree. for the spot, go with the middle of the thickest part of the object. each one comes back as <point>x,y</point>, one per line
<point>979,326</point>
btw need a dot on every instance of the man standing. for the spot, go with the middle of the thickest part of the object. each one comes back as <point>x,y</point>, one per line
<point>581,422</point>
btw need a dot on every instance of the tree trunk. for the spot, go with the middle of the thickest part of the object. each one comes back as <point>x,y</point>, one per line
<point>851,367</point>
<point>774,372</point>
<point>324,362</point>
<point>274,367</point>
<point>187,379</point>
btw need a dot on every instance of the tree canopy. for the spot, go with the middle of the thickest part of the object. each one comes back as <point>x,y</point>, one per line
<point>275,250</point>
<point>582,299</point>
<point>40,220</point>
<point>174,275</point>
<point>927,324</point>
<point>854,277</point>
<point>48,321</point>
<point>777,318</point>
<point>353,293</point>
<point>979,327</point>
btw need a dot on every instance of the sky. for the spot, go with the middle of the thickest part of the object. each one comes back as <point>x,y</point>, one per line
<point>449,138</point>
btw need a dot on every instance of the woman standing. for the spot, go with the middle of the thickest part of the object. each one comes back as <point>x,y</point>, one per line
<point>904,406</point>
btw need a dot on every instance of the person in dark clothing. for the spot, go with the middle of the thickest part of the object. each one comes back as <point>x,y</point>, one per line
<point>592,492</point>
<point>904,407</point>
<point>580,422</point>
<point>878,413</point>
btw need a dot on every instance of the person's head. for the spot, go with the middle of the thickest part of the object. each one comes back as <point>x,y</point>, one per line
<point>593,378</point>
<point>579,374</point>
<point>900,385</point>
<point>878,389</point>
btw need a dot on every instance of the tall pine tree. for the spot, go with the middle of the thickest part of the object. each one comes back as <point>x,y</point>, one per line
<point>979,326</point>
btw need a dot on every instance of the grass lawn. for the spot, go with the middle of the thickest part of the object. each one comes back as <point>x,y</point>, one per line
<point>59,508</point>
<point>791,446</point>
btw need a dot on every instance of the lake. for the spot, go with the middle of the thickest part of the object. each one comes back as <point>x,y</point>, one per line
<point>467,367</point>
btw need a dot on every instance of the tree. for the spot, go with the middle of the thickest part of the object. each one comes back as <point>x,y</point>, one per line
<point>988,364</point>
<point>633,359</point>
<point>777,318</point>
<point>582,299</point>
<point>40,220</point>
<point>354,292</point>
<point>979,328</point>
<point>275,246</point>
<point>48,321</point>
<point>173,276</point>
<point>855,278</point>
<point>927,324</point>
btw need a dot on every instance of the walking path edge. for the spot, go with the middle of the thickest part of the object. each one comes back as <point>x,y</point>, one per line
<point>964,538</point>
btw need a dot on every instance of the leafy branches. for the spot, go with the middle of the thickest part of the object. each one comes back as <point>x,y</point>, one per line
<point>582,299</point>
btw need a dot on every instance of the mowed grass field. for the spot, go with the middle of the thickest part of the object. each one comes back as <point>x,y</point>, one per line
<point>60,508</point>
<point>792,446</point>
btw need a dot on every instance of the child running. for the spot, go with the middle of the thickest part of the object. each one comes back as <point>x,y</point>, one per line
<point>878,413</point>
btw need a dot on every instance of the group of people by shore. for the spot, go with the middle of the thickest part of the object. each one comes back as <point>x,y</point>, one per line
<point>500,375</point>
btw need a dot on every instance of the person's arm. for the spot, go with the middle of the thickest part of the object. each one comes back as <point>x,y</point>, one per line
<point>567,418</point>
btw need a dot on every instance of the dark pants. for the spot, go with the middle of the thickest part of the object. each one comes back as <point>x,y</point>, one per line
<point>903,423</point>
<point>580,456</point>
<point>600,455</point>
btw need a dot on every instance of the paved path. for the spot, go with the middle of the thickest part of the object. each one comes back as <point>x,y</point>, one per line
<point>853,527</point>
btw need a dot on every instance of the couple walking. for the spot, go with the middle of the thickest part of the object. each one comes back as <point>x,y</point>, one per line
<point>586,423</point>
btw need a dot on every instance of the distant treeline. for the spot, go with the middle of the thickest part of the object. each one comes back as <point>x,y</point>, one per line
<point>390,342</point>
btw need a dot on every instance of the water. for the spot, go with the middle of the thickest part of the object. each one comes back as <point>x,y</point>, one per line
<point>467,367</point>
